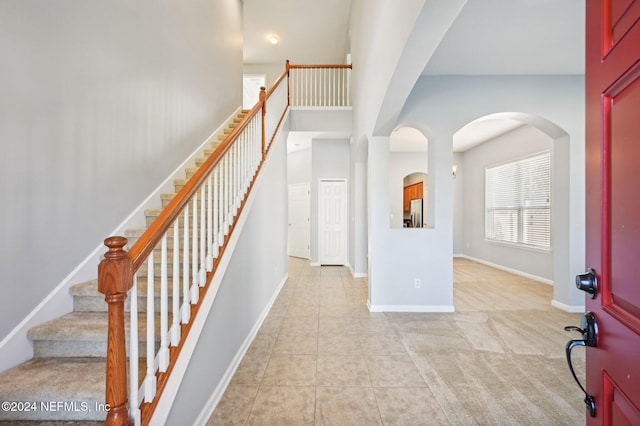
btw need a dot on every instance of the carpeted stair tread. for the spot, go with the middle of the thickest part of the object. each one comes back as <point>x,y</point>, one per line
<point>83,326</point>
<point>87,298</point>
<point>73,326</point>
<point>50,380</point>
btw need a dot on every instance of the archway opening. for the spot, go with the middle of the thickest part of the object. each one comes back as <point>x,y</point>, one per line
<point>408,179</point>
<point>513,141</point>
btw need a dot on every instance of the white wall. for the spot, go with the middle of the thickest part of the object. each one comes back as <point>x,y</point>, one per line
<point>521,142</point>
<point>99,102</point>
<point>390,47</point>
<point>329,159</point>
<point>299,166</point>
<point>272,71</point>
<point>553,103</point>
<point>244,292</point>
<point>399,256</point>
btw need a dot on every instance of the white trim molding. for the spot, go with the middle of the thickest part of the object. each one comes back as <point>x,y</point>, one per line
<point>410,308</point>
<point>507,269</point>
<point>574,309</point>
<point>355,274</point>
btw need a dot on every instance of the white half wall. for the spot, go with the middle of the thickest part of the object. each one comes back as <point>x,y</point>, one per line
<point>254,274</point>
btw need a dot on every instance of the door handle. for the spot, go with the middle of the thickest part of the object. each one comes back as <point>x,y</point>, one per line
<point>588,282</point>
<point>589,330</point>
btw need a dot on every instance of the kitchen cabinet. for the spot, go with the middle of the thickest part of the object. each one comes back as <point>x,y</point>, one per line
<point>411,192</point>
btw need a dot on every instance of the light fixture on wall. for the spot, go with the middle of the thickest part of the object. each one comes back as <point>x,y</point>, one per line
<point>454,169</point>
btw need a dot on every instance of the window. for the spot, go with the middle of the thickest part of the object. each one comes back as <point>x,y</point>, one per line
<point>518,202</point>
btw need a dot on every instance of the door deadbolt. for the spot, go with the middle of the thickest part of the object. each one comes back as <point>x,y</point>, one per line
<point>588,282</point>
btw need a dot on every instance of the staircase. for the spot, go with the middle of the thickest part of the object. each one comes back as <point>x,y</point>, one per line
<point>65,380</point>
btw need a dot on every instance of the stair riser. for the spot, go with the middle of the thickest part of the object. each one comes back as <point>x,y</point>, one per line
<point>97,303</point>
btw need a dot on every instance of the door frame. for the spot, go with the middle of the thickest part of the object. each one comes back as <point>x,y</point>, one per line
<point>307,185</point>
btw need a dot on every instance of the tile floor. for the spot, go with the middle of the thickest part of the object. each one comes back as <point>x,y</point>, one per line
<point>322,358</point>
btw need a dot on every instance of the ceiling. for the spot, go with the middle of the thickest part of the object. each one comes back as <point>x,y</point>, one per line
<point>308,31</point>
<point>489,37</point>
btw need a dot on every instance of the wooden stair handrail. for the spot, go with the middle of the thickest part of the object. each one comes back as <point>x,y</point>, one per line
<point>338,66</point>
<point>117,269</point>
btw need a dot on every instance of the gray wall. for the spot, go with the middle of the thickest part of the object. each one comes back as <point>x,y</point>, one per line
<point>329,159</point>
<point>244,292</point>
<point>299,166</point>
<point>440,105</point>
<point>516,144</point>
<point>99,102</point>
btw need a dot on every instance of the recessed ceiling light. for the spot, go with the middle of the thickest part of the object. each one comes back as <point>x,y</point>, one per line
<point>273,39</point>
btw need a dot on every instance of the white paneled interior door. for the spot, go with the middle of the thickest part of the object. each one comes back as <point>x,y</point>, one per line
<point>251,85</point>
<point>332,222</point>
<point>299,220</point>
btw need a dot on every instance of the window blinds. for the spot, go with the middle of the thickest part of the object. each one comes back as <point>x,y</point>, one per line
<point>518,202</point>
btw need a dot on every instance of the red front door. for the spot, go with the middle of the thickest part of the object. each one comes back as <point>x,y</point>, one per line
<point>613,207</point>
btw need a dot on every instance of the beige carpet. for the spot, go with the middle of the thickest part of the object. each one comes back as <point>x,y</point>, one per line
<point>322,358</point>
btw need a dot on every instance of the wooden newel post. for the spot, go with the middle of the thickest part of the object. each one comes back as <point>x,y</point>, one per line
<point>114,281</point>
<point>263,99</point>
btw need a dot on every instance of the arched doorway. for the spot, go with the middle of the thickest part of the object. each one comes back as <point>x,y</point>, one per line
<point>499,140</point>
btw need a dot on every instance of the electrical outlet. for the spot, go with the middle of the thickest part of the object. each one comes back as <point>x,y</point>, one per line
<point>418,283</point>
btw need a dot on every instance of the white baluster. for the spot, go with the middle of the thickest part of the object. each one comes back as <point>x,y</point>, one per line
<point>216,211</point>
<point>227,193</point>
<point>195,291</point>
<point>163,354</point>
<point>210,223</point>
<point>245,162</point>
<point>186,276</point>
<point>134,398</point>
<point>222,207</point>
<point>238,192</point>
<point>150,378</point>
<point>202,273</point>
<point>175,290</point>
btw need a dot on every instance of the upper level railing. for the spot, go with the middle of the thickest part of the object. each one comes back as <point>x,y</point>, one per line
<point>175,259</point>
<point>319,85</point>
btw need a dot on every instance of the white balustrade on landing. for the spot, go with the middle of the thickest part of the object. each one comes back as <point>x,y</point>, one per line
<point>206,220</point>
<point>319,87</point>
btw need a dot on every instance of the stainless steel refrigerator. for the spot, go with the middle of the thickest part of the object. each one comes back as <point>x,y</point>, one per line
<point>416,213</point>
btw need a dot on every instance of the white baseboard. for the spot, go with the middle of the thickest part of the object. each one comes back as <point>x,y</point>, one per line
<point>458,255</point>
<point>574,309</point>
<point>216,396</point>
<point>355,274</point>
<point>410,308</point>
<point>314,264</point>
<point>507,269</point>
<point>16,347</point>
